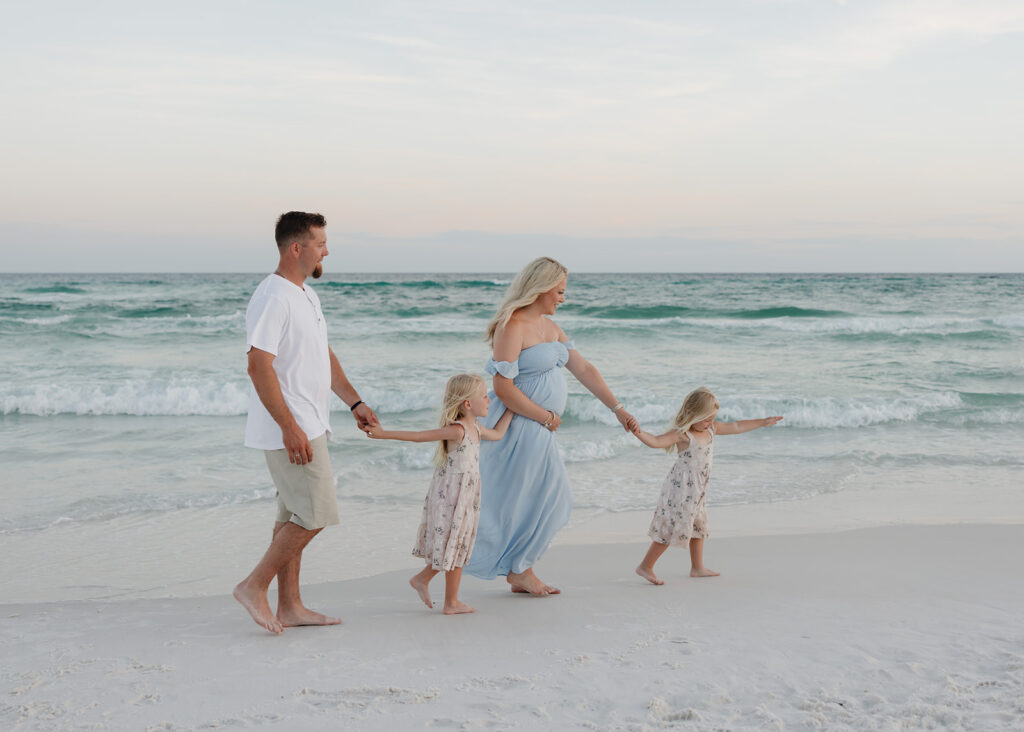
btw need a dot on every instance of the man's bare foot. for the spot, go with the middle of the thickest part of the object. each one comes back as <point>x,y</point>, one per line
<point>458,608</point>
<point>255,603</point>
<point>304,616</point>
<point>528,582</point>
<point>649,575</point>
<point>422,589</point>
<point>704,572</point>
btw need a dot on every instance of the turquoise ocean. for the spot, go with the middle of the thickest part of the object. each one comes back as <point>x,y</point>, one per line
<point>123,399</point>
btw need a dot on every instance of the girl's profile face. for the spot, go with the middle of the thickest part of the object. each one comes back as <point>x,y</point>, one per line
<point>479,403</point>
<point>554,297</point>
<point>704,424</point>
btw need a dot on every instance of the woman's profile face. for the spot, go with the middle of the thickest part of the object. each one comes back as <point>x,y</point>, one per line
<point>550,300</point>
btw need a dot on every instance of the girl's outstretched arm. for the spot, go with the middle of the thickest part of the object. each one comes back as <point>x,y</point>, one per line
<point>451,432</point>
<point>744,425</point>
<point>667,439</point>
<point>498,431</point>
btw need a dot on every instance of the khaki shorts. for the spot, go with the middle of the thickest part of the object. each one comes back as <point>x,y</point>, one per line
<point>305,493</point>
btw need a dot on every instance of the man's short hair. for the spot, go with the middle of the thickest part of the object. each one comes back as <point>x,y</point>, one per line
<point>296,225</point>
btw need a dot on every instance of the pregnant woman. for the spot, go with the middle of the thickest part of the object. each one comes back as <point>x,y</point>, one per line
<point>526,497</point>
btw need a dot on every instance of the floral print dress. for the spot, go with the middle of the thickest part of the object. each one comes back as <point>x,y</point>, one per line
<point>682,514</point>
<point>452,509</point>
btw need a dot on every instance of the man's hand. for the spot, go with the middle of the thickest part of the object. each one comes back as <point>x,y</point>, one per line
<point>365,417</point>
<point>299,450</point>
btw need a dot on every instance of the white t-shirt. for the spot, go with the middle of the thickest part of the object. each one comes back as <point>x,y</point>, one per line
<point>286,320</point>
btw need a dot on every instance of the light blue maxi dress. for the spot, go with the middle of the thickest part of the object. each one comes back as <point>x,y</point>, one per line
<point>525,497</point>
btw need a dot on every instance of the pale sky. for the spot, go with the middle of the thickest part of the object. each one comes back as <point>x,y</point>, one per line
<point>473,136</point>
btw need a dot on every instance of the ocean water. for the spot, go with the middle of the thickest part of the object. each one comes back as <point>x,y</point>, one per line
<point>123,398</point>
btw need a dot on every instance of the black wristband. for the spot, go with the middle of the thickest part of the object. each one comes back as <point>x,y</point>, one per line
<point>353,407</point>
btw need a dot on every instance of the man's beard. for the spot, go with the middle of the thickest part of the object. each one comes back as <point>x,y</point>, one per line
<point>318,271</point>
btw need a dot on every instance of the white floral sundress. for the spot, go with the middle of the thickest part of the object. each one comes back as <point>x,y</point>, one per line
<point>451,510</point>
<point>682,513</point>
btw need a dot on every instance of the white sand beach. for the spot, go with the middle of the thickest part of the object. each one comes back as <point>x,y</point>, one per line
<point>896,627</point>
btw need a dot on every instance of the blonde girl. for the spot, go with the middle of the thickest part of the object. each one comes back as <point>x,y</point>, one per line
<point>452,507</point>
<point>681,517</point>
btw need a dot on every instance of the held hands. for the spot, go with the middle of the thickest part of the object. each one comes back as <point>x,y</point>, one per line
<point>365,417</point>
<point>628,421</point>
<point>373,430</point>
<point>769,421</point>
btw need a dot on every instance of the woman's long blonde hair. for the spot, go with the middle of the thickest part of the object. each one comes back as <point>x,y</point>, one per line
<point>458,389</point>
<point>699,404</point>
<point>536,278</point>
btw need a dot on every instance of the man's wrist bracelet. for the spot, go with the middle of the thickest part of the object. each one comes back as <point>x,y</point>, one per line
<point>353,407</point>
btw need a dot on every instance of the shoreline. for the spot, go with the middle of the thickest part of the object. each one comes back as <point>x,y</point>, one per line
<point>164,567</point>
<point>860,628</point>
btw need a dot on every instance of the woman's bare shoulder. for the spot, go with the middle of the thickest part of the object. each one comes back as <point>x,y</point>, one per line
<point>508,341</point>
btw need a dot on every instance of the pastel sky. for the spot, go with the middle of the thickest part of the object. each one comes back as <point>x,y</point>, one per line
<point>472,136</point>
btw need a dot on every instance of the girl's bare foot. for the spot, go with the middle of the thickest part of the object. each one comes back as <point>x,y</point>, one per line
<point>255,603</point>
<point>704,572</point>
<point>422,589</point>
<point>304,616</point>
<point>458,608</point>
<point>649,575</point>
<point>528,582</point>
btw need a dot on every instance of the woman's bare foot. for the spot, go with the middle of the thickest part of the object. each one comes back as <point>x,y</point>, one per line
<point>528,582</point>
<point>649,575</point>
<point>704,572</point>
<point>294,617</point>
<point>422,589</point>
<point>458,608</point>
<point>255,603</point>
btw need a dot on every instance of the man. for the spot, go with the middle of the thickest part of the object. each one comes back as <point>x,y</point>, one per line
<point>293,372</point>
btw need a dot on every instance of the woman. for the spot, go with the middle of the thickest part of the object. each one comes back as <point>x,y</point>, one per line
<point>526,497</point>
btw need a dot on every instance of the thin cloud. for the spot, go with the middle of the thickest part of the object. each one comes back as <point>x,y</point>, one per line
<point>891,32</point>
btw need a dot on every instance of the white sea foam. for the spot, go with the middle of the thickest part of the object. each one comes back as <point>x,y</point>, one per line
<point>199,397</point>
<point>823,412</point>
<point>1011,320</point>
<point>140,397</point>
<point>179,397</point>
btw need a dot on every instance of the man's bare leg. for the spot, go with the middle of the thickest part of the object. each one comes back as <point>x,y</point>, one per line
<point>290,610</point>
<point>288,542</point>
<point>421,583</point>
<point>697,560</point>
<point>646,567</point>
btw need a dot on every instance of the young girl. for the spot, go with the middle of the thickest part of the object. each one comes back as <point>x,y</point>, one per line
<point>452,507</point>
<point>681,516</point>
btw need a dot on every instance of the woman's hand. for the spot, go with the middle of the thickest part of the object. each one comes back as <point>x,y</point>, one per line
<point>628,421</point>
<point>553,422</point>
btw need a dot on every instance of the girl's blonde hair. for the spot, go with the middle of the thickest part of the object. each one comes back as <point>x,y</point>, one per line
<point>699,404</point>
<point>458,389</point>
<point>536,278</point>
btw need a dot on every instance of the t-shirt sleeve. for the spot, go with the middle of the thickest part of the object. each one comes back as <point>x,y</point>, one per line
<point>265,325</point>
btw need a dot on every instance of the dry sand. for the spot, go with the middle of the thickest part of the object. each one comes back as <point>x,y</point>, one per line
<point>901,627</point>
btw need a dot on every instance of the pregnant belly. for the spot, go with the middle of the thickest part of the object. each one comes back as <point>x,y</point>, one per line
<point>549,390</point>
